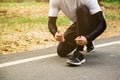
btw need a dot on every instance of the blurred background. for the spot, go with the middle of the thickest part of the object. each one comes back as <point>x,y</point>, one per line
<point>23,24</point>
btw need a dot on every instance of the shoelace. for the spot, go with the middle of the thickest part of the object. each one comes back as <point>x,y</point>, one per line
<point>75,54</point>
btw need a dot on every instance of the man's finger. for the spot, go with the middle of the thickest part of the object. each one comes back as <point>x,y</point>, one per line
<point>78,39</point>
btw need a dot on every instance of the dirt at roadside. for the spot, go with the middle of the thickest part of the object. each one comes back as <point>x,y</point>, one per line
<point>37,39</point>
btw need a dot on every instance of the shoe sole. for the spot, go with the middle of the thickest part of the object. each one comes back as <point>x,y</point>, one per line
<point>76,64</point>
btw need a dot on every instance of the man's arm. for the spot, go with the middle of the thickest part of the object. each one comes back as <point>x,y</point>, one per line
<point>52,25</point>
<point>53,29</point>
<point>99,29</point>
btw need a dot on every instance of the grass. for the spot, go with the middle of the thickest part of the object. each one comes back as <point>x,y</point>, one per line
<point>12,22</point>
<point>24,26</point>
<point>112,17</point>
<point>13,4</point>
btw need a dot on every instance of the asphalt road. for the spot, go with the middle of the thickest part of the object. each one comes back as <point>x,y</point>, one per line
<point>44,64</point>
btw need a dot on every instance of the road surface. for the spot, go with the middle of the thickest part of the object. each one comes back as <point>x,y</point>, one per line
<point>44,64</point>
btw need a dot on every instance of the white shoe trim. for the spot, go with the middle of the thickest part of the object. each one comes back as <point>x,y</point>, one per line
<point>77,64</point>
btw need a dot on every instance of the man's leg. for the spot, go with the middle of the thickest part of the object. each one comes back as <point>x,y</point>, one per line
<point>84,22</point>
<point>82,28</point>
<point>90,47</point>
<point>64,48</point>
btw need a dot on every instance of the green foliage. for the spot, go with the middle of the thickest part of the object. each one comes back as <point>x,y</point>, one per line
<point>112,17</point>
<point>12,4</point>
<point>112,0</point>
<point>9,21</point>
<point>41,19</point>
<point>24,0</point>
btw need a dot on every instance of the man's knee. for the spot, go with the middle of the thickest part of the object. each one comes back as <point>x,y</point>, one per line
<point>63,49</point>
<point>61,53</point>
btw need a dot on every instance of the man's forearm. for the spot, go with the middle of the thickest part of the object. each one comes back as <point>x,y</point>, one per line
<point>99,29</point>
<point>52,25</point>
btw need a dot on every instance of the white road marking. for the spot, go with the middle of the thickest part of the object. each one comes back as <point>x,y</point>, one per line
<point>26,60</point>
<point>48,56</point>
<point>107,44</point>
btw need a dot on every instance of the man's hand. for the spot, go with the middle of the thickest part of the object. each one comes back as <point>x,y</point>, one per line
<point>59,36</point>
<point>81,40</point>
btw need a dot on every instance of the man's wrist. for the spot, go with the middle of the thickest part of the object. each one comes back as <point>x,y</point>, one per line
<point>54,34</point>
<point>88,38</point>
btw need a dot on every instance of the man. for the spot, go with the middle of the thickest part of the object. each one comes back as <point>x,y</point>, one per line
<point>87,24</point>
